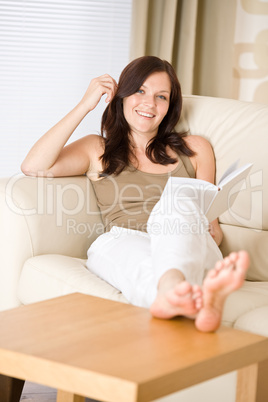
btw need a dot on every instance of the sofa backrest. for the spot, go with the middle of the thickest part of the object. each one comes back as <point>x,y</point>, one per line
<point>237,130</point>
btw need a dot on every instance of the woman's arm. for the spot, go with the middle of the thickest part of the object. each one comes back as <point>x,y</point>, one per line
<point>49,156</point>
<point>215,231</point>
<point>204,164</point>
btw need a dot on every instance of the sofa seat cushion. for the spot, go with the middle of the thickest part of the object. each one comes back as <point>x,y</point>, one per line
<point>248,299</point>
<point>51,275</point>
<point>255,321</point>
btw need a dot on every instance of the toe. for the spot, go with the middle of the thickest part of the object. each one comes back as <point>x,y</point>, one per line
<point>183,288</point>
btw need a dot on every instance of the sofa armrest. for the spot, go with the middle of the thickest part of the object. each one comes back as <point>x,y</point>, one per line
<point>43,216</point>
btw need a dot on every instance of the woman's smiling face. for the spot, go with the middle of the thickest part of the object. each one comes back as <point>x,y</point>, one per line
<point>145,109</point>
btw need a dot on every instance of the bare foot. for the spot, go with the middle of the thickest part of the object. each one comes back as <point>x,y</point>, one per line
<point>180,299</point>
<point>227,276</point>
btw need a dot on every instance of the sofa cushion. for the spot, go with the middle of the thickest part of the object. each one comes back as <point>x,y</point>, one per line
<point>236,130</point>
<point>255,242</point>
<point>51,275</point>
<point>255,321</point>
<point>47,276</point>
<point>248,299</point>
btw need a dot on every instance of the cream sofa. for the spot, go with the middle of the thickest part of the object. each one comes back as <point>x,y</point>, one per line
<point>47,225</point>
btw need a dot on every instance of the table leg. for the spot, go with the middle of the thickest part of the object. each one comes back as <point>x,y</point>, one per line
<point>63,396</point>
<point>246,389</point>
<point>10,388</point>
<point>262,388</point>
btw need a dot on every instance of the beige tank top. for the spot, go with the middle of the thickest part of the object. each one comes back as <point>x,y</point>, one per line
<point>127,200</point>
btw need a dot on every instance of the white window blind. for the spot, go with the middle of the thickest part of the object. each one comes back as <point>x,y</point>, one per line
<point>49,52</point>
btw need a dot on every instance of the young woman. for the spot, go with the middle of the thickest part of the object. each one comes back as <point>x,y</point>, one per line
<point>157,246</point>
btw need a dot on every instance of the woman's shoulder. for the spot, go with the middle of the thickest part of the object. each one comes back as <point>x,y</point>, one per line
<point>203,153</point>
<point>198,143</point>
<point>92,144</point>
<point>93,139</point>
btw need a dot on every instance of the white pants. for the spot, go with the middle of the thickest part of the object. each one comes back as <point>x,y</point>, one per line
<point>133,261</point>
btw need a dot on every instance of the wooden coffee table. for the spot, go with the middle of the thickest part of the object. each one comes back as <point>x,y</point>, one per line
<point>115,352</point>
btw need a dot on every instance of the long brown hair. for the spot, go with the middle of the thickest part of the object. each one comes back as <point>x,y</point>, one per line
<point>115,129</point>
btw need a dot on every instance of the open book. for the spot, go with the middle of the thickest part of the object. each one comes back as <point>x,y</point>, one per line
<point>213,199</point>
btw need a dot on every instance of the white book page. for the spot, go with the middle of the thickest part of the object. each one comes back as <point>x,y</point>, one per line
<point>230,174</point>
<point>213,200</point>
<point>229,170</point>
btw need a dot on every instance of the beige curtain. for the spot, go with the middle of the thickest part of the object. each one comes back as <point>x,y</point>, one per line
<point>198,38</point>
<point>167,29</point>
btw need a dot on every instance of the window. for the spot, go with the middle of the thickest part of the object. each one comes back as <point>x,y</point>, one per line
<point>49,52</point>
